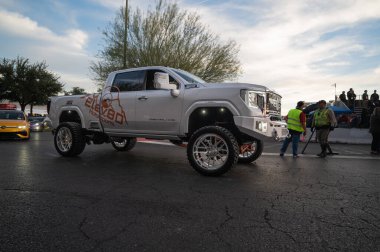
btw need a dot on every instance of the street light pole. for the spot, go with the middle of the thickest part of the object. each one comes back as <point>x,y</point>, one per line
<point>125,34</point>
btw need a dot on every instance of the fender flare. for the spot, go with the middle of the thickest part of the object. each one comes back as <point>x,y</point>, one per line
<point>204,104</point>
<point>72,108</point>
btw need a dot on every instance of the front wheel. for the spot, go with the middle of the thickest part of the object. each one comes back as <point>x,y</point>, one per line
<point>212,150</point>
<point>251,151</point>
<point>69,140</point>
<point>124,144</point>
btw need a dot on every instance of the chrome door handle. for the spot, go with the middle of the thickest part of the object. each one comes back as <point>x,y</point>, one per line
<point>143,98</point>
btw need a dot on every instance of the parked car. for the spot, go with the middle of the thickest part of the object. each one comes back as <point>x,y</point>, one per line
<point>13,124</point>
<point>47,124</point>
<point>278,127</point>
<point>36,123</point>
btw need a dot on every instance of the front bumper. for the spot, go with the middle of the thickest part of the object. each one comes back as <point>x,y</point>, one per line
<point>23,134</point>
<point>258,127</point>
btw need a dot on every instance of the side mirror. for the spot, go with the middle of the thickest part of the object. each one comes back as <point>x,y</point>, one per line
<point>161,81</point>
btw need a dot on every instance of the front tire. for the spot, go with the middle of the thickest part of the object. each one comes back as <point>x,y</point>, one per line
<point>69,140</point>
<point>124,144</point>
<point>212,150</point>
<point>251,151</point>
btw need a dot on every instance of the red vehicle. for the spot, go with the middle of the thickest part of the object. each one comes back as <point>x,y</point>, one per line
<point>7,106</point>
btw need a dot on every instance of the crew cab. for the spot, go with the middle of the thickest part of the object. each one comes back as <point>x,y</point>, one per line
<point>222,123</point>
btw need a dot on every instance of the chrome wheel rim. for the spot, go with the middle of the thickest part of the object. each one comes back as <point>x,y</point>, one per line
<point>210,151</point>
<point>250,152</point>
<point>64,139</point>
<point>120,143</point>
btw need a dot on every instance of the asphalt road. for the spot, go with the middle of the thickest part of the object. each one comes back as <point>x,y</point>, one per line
<point>150,199</point>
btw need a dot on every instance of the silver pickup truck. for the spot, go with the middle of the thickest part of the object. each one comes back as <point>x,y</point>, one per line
<point>221,123</point>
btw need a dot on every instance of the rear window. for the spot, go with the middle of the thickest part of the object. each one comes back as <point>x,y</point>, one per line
<point>11,115</point>
<point>129,81</point>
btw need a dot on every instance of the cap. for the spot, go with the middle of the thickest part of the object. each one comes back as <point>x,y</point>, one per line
<point>322,101</point>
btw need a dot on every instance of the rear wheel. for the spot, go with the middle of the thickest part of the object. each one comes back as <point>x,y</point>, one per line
<point>124,144</point>
<point>212,150</point>
<point>69,140</point>
<point>251,151</point>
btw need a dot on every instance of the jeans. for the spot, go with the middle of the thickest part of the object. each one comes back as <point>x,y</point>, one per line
<point>295,138</point>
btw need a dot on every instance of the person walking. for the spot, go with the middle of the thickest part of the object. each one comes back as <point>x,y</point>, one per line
<point>296,120</point>
<point>323,121</point>
<point>374,128</point>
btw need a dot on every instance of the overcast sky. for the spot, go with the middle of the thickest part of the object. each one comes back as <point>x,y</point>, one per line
<point>298,48</point>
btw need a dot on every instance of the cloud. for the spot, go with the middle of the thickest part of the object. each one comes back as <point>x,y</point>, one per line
<point>295,46</point>
<point>65,53</point>
<point>377,71</point>
<point>23,27</point>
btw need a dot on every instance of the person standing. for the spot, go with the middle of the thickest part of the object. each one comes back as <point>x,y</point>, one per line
<point>365,96</point>
<point>365,99</point>
<point>374,128</point>
<point>351,98</point>
<point>296,120</point>
<point>323,121</point>
<point>374,96</point>
<point>343,98</point>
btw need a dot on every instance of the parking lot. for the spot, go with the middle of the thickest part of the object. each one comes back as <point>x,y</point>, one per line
<point>150,199</point>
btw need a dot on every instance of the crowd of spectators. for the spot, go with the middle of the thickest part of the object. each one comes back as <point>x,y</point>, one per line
<point>362,107</point>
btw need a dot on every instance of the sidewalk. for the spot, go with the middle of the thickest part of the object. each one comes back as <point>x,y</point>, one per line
<point>350,136</point>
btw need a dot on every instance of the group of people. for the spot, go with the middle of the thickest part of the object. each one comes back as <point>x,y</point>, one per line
<point>323,123</point>
<point>349,100</point>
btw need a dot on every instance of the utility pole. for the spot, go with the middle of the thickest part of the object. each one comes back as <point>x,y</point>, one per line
<point>125,35</point>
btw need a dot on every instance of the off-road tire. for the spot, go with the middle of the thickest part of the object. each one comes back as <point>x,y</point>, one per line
<point>247,158</point>
<point>227,141</point>
<point>69,140</point>
<point>127,144</point>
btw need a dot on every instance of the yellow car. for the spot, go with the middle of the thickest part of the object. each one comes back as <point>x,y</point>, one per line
<point>14,124</point>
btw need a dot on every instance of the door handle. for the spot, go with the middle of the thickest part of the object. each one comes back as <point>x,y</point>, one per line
<point>143,98</point>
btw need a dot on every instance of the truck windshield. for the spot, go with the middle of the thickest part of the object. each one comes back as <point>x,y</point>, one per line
<point>190,78</point>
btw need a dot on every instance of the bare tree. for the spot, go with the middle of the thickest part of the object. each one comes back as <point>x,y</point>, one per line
<point>170,37</point>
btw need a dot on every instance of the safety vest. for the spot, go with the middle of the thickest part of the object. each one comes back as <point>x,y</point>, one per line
<point>294,122</point>
<point>321,118</point>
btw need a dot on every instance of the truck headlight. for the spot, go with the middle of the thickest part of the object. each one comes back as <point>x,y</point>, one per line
<point>249,97</point>
<point>262,126</point>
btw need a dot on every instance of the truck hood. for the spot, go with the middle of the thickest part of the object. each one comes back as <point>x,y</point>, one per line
<point>236,85</point>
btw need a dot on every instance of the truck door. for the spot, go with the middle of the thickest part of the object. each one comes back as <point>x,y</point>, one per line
<point>117,111</point>
<point>157,111</point>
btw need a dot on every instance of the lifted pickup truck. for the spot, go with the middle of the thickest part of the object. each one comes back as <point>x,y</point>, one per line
<point>222,123</point>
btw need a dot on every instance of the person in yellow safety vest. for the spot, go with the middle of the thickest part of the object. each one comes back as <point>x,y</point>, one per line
<point>323,121</point>
<point>296,120</point>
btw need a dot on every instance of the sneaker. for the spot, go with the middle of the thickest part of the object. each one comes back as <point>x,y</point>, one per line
<point>374,152</point>
<point>295,156</point>
<point>281,154</point>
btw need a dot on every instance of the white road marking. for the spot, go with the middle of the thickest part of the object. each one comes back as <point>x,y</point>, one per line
<point>357,156</point>
<point>328,157</point>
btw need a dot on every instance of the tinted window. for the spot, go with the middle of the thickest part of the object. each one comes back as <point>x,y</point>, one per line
<point>129,81</point>
<point>12,115</point>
